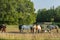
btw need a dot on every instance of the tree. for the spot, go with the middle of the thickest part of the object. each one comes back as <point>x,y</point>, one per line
<point>14,11</point>
<point>44,15</point>
<point>57,16</point>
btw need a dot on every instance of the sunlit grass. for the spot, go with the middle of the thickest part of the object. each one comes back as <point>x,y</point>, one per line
<point>40,36</point>
<point>10,35</point>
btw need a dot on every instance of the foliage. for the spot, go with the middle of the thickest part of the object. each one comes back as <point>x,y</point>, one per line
<point>16,11</point>
<point>57,16</point>
<point>50,15</point>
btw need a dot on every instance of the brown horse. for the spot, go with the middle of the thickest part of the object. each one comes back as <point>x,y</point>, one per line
<point>3,28</point>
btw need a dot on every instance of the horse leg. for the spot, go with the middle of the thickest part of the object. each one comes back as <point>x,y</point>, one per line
<point>57,30</point>
<point>38,30</point>
<point>0,29</point>
<point>20,30</point>
<point>3,30</point>
<point>50,31</point>
<point>33,30</point>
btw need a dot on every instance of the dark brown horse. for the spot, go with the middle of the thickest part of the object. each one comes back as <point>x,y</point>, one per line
<point>3,28</point>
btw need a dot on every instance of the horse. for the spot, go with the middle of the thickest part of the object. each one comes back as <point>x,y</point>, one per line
<point>51,27</point>
<point>33,28</point>
<point>3,28</point>
<point>37,28</point>
<point>20,28</point>
<point>25,27</point>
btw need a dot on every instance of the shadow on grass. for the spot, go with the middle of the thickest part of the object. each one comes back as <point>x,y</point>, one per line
<point>8,39</point>
<point>21,32</point>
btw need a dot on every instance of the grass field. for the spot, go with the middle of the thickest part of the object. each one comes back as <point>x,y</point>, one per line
<point>12,33</point>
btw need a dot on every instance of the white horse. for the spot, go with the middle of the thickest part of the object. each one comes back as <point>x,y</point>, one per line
<point>25,27</point>
<point>37,28</point>
<point>50,27</point>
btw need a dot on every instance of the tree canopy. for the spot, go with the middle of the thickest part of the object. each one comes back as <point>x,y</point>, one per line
<point>17,11</point>
<point>50,15</point>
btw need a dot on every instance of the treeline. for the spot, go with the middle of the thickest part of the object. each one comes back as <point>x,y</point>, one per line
<point>48,15</point>
<point>17,12</point>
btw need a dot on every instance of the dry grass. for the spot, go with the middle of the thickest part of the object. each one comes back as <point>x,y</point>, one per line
<point>13,34</point>
<point>27,36</point>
